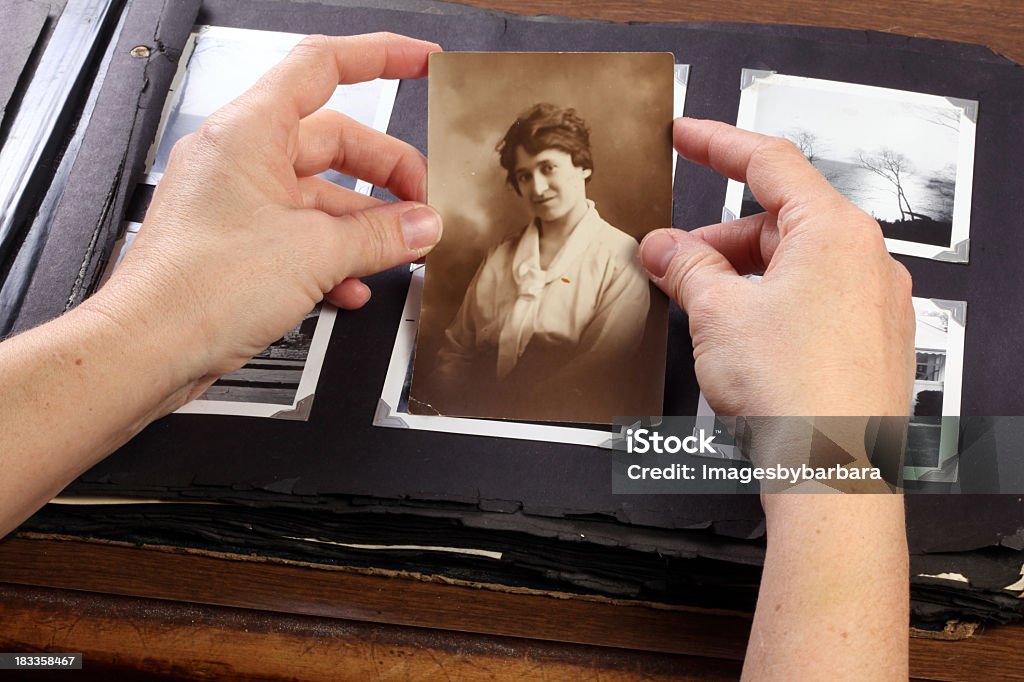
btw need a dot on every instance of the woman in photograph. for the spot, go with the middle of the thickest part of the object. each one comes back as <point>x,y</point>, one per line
<point>555,313</point>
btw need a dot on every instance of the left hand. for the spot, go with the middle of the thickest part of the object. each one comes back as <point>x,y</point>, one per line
<point>242,238</point>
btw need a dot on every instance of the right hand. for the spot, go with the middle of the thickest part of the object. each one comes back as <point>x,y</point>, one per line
<point>829,330</point>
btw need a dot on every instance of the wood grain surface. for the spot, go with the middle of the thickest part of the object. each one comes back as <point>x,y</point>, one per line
<point>198,617</point>
<point>123,636</point>
<point>999,24</point>
<point>242,582</point>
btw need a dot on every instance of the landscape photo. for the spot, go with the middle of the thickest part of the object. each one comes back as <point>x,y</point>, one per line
<point>905,158</point>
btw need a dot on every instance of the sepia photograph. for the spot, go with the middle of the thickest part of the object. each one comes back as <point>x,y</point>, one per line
<point>535,306</point>
<point>393,406</point>
<point>905,158</point>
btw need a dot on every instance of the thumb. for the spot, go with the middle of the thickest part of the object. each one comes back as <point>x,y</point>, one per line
<point>375,239</point>
<point>684,266</point>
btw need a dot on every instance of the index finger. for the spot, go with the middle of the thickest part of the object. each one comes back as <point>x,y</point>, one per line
<point>307,77</point>
<point>777,173</point>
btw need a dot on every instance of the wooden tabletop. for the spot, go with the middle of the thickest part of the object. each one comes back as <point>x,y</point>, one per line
<point>198,617</point>
<point>137,612</point>
<point>999,24</point>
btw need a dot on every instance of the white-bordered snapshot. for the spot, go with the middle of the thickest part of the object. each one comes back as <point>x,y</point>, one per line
<point>933,431</point>
<point>217,65</point>
<point>393,407</point>
<point>279,382</point>
<point>681,75</point>
<point>906,158</point>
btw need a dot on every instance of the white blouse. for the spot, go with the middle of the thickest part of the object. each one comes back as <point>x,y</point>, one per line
<point>586,312</point>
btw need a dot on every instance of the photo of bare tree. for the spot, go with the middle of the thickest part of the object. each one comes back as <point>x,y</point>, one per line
<point>905,158</point>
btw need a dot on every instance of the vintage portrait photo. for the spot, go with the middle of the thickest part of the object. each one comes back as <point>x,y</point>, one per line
<point>547,170</point>
<point>906,158</point>
<point>393,406</point>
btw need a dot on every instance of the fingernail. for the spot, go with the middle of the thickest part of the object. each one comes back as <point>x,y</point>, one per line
<point>421,227</point>
<point>656,253</point>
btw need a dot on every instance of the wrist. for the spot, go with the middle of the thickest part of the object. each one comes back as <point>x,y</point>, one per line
<point>796,518</point>
<point>817,454</point>
<point>76,389</point>
<point>158,360</point>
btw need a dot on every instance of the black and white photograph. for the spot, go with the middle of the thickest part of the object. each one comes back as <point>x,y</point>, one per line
<point>278,382</point>
<point>931,453</point>
<point>535,306</point>
<point>273,376</point>
<point>934,410</point>
<point>906,158</point>
<point>218,64</point>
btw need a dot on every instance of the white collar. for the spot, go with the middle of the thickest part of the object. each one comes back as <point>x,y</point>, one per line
<point>526,259</point>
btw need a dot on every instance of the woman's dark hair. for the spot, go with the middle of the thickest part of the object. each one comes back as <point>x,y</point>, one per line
<point>545,126</point>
